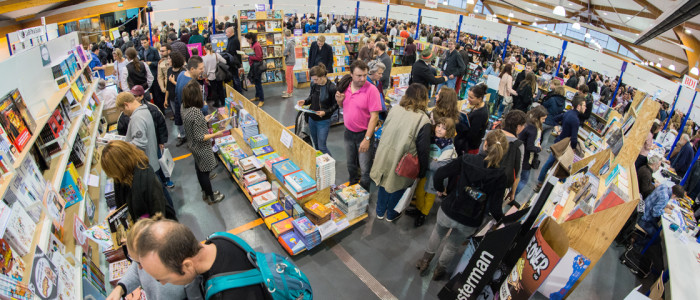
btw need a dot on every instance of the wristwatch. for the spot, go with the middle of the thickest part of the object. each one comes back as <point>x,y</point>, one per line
<point>367,138</point>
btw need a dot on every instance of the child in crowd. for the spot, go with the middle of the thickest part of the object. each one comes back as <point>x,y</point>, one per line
<point>442,151</point>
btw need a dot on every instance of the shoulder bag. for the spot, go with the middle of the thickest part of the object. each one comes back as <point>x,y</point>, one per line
<point>409,166</point>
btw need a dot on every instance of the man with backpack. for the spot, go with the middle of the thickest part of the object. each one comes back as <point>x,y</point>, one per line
<point>170,253</point>
<point>513,123</point>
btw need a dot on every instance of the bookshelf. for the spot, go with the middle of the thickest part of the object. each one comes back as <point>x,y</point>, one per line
<point>44,104</point>
<point>268,27</point>
<point>341,56</point>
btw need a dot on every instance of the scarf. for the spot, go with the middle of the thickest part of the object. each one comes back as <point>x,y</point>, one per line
<point>441,142</point>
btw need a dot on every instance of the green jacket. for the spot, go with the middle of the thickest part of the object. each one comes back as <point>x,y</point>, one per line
<point>197,38</point>
<point>403,132</point>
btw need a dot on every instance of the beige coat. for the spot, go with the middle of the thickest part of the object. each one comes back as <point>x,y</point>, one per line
<point>505,87</point>
<point>399,136</point>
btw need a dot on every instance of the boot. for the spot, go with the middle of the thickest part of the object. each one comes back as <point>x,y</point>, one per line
<point>538,187</point>
<point>419,220</point>
<point>439,273</point>
<point>423,263</point>
<point>413,212</point>
<point>216,198</point>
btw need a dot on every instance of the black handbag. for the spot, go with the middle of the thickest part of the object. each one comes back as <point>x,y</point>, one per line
<point>535,164</point>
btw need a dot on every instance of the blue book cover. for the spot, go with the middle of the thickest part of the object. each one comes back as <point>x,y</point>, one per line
<point>262,150</point>
<point>300,181</point>
<point>292,242</point>
<point>283,168</point>
<point>304,226</point>
<point>270,209</point>
<point>69,190</point>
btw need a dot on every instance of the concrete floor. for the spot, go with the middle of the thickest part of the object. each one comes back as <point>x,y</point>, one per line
<point>372,260</point>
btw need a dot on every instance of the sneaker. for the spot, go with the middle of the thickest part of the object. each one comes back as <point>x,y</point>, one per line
<point>181,141</point>
<point>170,184</point>
<point>394,219</point>
<point>286,95</point>
<point>260,104</point>
<point>538,187</point>
<point>380,217</point>
<point>254,99</point>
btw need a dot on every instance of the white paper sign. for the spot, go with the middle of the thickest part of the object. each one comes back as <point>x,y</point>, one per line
<point>286,139</point>
<point>93,180</point>
<point>431,3</point>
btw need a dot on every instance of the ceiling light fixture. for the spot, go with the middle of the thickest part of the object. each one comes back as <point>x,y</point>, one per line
<point>476,10</point>
<point>508,19</point>
<point>559,10</point>
<point>587,35</point>
<point>520,23</point>
<point>535,4</point>
<point>661,59</point>
<point>444,2</point>
<point>534,23</point>
<point>628,17</point>
<point>511,15</point>
<point>605,14</point>
<point>688,31</point>
<point>470,1</point>
<point>694,70</point>
<point>658,65</point>
<point>672,68</point>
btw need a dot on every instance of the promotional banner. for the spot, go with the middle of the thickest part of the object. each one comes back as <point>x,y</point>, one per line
<point>565,274</point>
<point>431,3</point>
<point>30,33</point>
<point>541,255</point>
<point>219,42</point>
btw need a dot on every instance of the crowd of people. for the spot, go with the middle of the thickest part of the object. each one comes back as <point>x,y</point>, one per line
<point>474,167</point>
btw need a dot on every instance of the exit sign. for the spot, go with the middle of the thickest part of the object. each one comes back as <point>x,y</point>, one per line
<point>690,82</point>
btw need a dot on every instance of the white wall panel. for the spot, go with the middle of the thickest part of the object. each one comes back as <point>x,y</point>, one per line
<point>651,83</point>
<point>684,100</point>
<point>372,9</point>
<point>400,12</point>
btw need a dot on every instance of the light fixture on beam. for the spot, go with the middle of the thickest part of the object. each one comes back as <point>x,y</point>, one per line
<point>559,10</point>
<point>587,35</point>
<point>511,15</point>
<point>576,25</point>
<point>658,65</point>
<point>470,1</point>
<point>534,23</point>
<point>694,70</point>
<point>444,2</point>
<point>672,68</point>
<point>520,23</point>
<point>687,31</point>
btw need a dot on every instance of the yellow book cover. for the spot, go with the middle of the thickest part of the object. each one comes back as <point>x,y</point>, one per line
<point>274,218</point>
<point>76,178</point>
<point>260,15</point>
<point>76,92</point>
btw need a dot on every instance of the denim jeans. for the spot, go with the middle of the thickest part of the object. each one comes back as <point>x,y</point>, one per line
<point>387,201</point>
<point>502,107</point>
<point>319,133</point>
<point>524,176</point>
<point>547,165</point>
<point>459,234</point>
<point>450,83</point>
<point>359,163</point>
<point>259,88</point>
<point>546,134</point>
<point>237,82</point>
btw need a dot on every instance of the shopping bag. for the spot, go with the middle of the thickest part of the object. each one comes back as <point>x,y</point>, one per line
<point>406,198</point>
<point>167,164</point>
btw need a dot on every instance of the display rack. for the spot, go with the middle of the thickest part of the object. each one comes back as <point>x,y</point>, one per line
<point>268,27</point>
<point>341,56</point>
<point>301,153</point>
<point>591,235</point>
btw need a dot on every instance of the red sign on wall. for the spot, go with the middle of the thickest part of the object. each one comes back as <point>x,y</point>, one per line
<point>690,82</point>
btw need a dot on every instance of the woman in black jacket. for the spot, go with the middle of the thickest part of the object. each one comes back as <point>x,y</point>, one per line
<point>322,101</point>
<point>472,127</point>
<point>460,212</point>
<point>526,91</point>
<point>135,182</point>
<point>532,138</point>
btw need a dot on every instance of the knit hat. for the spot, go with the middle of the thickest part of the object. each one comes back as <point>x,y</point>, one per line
<point>427,53</point>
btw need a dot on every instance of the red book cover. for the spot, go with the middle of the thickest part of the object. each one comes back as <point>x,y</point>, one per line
<point>11,120</point>
<point>610,200</point>
<point>299,52</point>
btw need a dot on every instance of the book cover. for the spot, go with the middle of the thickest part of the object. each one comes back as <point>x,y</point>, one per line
<point>55,207</point>
<point>305,226</point>
<point>260,25</point>
<point>316,208</point>
<point>281,227</point>
<point>244,28</point>
<point>12,264</point>
<point>269,26</point>
<point>252,27</point>
<point>90,291</point>
<point>258,188</point>
<point>291,242</point>
<point>119,223</point>
<point>565,274</point>
<point>270,209</point>
<point>263,199</point>
<point>70,190</point>
<point>24,110</point>
<point>284,168</point>
<point>300,181</point>
<point>266,157</point>
<point>56,246</point>
<point>278,40</point>
<point>11,120</point>
<point>75,90</point>
<point>262,150</point>
<point>66,276</point>
<point>79,229</point>
<point>274,218</point>
<point>20,230</point>
<point>43,280</point>
<point>101,235</point>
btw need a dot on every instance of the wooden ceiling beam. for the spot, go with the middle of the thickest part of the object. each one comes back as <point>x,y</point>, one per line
<point>15,5</point>
<point>691,42</point>
<point>489,3</point>
<point>624,11</point>
<point>650,7</point>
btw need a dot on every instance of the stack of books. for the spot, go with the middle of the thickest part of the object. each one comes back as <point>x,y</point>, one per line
<point>352,200</point>
<point>307,231</point>
<point>254,177</point>
<point>259,140</point>
<point>248,125</point>
<point>263,199</point>
<point>281,227</point>
<point>291,242</point>
<point>270,209</point>
<point>300,184</point>
<point>292,208</point>
<point>259,188</point>
<point>275,218</point>
<point>317,212</point>
<point>284,168</point>
<point>325,171</point>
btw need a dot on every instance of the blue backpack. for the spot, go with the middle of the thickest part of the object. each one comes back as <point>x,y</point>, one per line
<point>281,277</point>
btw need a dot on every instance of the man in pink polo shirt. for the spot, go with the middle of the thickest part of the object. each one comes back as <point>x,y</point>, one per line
<point>361,105</point>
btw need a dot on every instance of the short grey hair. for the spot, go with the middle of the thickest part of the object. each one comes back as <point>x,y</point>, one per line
<point>686,137</point>
<point>374,66</point>
<point>653,159</point>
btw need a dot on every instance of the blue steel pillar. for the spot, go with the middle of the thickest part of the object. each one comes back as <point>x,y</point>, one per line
<point>563,48</point>
<point>673,109</point>
<point>619,82</point>
<point>680,129</point>
<point>420,11</point>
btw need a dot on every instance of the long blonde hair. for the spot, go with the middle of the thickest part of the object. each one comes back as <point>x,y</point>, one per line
<point>496,147</point>
<point>120,159</point>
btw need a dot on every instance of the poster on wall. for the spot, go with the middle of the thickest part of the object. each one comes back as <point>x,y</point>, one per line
<point>114,33</point>
<point>219,42</point>
<point>431,3</point>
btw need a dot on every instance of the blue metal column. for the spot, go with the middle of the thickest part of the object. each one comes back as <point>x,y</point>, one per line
<point>680,129</point>
<point>420,11</point>
<point>589,78</point>
<point>150,30</point>
<point>386,19</point>
<point>270,4</point>
<point>318,15</point>
<point>619,82</point>
<point>505,44</point>
<point>9,46</point>
<point>563,48</point>
<point>357,12</point>
<point>673,109</point>
<point>459,27</point>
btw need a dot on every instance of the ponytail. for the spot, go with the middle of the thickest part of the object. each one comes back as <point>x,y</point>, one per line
<point>497,146</point>
<point>132,55</point>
